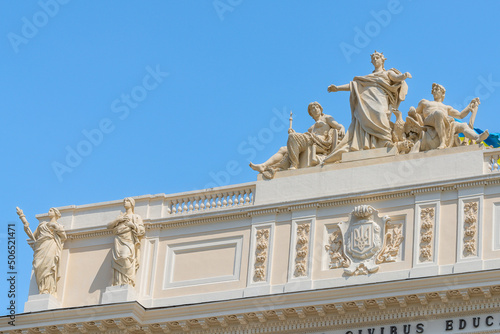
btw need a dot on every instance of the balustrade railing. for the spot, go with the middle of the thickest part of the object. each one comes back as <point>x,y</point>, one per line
<point>491,159</point>
<point>210,200</point>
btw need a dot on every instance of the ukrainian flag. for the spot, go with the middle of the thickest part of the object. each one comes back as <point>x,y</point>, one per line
<point>493,139</point>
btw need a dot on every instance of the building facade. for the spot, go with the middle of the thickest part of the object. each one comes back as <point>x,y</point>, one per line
<point>381,243</point>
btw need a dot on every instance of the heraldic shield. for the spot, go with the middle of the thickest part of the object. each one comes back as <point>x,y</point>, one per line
<point>363,239</point>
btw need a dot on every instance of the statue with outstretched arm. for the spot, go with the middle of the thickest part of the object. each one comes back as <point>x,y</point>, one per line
<point>373,98</point>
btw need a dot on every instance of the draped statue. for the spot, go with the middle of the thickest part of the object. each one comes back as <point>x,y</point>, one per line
<point>48,240</point>
<point>320,138</point>
<point>128,229</point>
<point>373,99</point>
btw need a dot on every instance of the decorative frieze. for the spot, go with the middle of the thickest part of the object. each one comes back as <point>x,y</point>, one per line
<point>427,220</point>
<point>302,248</point>
<point>470,228</point>
<point>261,253</point>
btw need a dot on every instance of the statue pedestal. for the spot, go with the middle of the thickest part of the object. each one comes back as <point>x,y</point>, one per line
<point>119,294</point>
<point>374,153</point>
<point>41,303</point>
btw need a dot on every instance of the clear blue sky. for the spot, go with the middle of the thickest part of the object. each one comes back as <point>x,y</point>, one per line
<point>181,89</point>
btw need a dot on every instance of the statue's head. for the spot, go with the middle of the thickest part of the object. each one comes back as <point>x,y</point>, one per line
<point>438,90</point>
<point>378,58</point>
<point>53,212</point>
<point>129,202</point>
<point>315,108</point>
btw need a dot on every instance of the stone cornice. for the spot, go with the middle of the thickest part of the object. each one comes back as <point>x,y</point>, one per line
<point>304,311</point>
<point>221,215</point>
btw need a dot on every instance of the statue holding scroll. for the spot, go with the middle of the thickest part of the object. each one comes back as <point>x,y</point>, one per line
<point>47,244</point>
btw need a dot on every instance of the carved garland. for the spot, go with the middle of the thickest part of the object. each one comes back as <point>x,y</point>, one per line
<point>393,239</point>
<point>470,228</point>
<point>335,250</point>
<point>302,249</point>
<point>427,219</point>
<point>261,255</point>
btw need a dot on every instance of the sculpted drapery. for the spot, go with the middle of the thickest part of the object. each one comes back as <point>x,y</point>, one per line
<point>128,229</point>
<point>320,138</point>
<point>373,99</point>
<point>47,243</point>
<point>47,249</point>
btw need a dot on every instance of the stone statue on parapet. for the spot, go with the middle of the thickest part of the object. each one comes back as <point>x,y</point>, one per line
<point>404,137</point>
<point>47,243</point>
<point>373,99</point>
<point>129,230</point>
<point>439,127</point>
<point>305,149</point>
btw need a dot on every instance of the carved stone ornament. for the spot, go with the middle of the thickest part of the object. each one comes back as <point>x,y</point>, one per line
<point>335,250</point>
<point>470,228</point>
<point>302,249</point>
<point>426,233</point>
<point>365,241</point>
<point>261,254</point>
<point>373,99</point>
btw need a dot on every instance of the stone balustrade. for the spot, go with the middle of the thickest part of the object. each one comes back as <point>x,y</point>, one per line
<point>210,200</point>
<point>491,158</point>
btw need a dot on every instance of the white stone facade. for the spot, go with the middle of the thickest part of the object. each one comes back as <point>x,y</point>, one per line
<point>271,256</point>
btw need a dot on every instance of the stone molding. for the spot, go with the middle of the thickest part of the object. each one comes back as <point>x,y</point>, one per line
<point>132,318</point>
<point>252,210</point>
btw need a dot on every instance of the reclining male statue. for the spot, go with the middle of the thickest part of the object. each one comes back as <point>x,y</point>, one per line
<point>440,127</point>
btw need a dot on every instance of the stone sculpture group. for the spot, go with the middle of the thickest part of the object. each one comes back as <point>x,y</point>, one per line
<point>48,239</point>
<point>373,99</point>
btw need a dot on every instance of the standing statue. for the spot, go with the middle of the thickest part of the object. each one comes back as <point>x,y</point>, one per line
<point>129,230</point>
<point>438,120</point>
<point>321,138</point>
<point>373,98</point>
<point>47,245</point>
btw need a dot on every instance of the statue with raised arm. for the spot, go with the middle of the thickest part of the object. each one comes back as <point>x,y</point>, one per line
<point>128,229</point>
<point>373,99</point>
<point>320,138</point>
<point>47,243</point>
<point>438,120</point>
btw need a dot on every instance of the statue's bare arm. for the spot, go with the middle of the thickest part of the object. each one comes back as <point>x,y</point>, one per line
<point>419,112</point>
<point>472,107</point>
<point>334,124</point>
<point>399,77</point>
<point>334,88</point>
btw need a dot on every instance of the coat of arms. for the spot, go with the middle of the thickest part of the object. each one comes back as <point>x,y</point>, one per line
<point>364,242</point>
